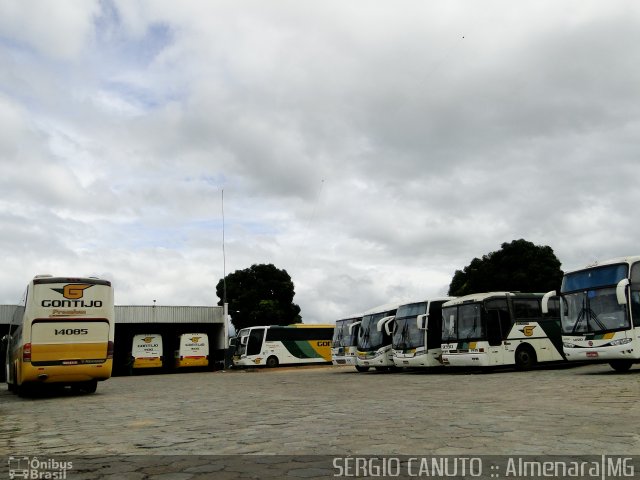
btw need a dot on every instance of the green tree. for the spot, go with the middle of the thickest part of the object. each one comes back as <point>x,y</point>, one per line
<point>259,295</point>
<point>517,266</point>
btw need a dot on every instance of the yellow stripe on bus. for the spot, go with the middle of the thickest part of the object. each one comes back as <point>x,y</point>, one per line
<point>147,362</point>
<point>48,352</point>
<point>322,348</point>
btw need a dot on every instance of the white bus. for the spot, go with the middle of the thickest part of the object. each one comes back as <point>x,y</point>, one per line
<point>61,333</point>
<point>146,351</point>
<point>374,338</point>
<point>193,350</point>
<point>500,328</point>
<point>345,341</point>
<point>275,345</point>
<point>601,313</point>
<point>417,334</point>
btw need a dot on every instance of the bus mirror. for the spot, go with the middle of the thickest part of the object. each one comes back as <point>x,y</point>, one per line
<point>621,289</point>
<point>232,342</point>
<point>545,301</point>
<point>382,323</point>
<point>243,340</point>
<point>389,325</point>
<point>352,326</point>
<point>422,321</point>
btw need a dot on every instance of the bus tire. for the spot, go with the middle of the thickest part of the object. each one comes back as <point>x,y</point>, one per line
<point>525,357</point>
<point>272,362</point>
<point>621,365</point>
<point>362,369</point>
<point>24,390</point>
<point>85,387</point>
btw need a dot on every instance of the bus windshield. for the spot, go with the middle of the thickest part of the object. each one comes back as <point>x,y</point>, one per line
<point>594,311</point>
<point>407,335</point>
<point>341,335</point>
<point>369,337</point>
<point>463,322</point>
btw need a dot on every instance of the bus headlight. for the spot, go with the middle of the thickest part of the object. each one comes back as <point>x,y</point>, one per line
<point>568,345</point>
<point>620,341</point>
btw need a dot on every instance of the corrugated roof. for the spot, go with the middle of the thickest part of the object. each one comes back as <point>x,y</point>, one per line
<point>160,314</point>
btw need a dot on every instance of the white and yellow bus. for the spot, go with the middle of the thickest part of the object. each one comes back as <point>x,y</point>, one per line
<point>601,313</point>
<point>374,338</point>
<point>61,333</point>
<point>417,334</point>
<point>146,351</point>
<point>344,345</point>
<point>500,328</point>
<point>193,350</point>
<point>275,345</point>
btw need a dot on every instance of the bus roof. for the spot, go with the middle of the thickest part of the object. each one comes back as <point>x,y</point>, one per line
<point>433,299</point>
<point>47,279</point>
<point>381,308</point>
<point>293,325</point>
<point>480,297</point>
<point>611,261</point>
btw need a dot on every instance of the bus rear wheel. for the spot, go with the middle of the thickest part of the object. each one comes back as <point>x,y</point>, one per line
<point>85,387</point>
<point>525,357</point>
<point>621,365</point>
<point>272,362</point>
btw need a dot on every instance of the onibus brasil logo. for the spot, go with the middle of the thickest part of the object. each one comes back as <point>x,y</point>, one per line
<point>34,467</point>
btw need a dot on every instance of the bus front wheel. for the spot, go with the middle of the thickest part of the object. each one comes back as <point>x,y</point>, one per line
<point>272,362</point>
<point>525,357</point>
<point>362,369</point>
<point>620,365</point>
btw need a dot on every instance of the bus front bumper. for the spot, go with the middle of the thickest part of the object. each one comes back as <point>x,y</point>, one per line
<point>602,353</point>
<point>379,359</point>
<point>419,359</point>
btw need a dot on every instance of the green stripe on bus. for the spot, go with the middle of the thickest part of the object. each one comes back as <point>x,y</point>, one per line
<point>300,349</point>
<point>553,330</point>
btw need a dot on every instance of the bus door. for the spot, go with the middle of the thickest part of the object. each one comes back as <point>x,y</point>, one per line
<point>498,326</point>
<point>433,326</point>
<point>254,344</point>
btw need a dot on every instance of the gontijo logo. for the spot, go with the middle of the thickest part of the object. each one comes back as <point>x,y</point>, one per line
<point>195,339</point>
<point>73,293</point>
<point>148,339</point>
<point>528,330</point>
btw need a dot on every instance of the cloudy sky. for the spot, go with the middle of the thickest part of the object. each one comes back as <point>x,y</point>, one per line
<point>368,148</point>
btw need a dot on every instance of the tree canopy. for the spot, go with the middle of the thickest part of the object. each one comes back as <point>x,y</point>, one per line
<point>517,266</point>
<point>259,295</point>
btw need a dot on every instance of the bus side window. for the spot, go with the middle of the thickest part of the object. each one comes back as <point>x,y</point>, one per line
<point>526,308</point>
<point>554,308</point>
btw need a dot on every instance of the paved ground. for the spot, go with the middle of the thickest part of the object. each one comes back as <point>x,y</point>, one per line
<point>588,410</point>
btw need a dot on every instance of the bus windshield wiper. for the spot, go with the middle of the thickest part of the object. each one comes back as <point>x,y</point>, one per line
<point>586,314</point>
<point>365,338</point>
<point>403,336</point>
